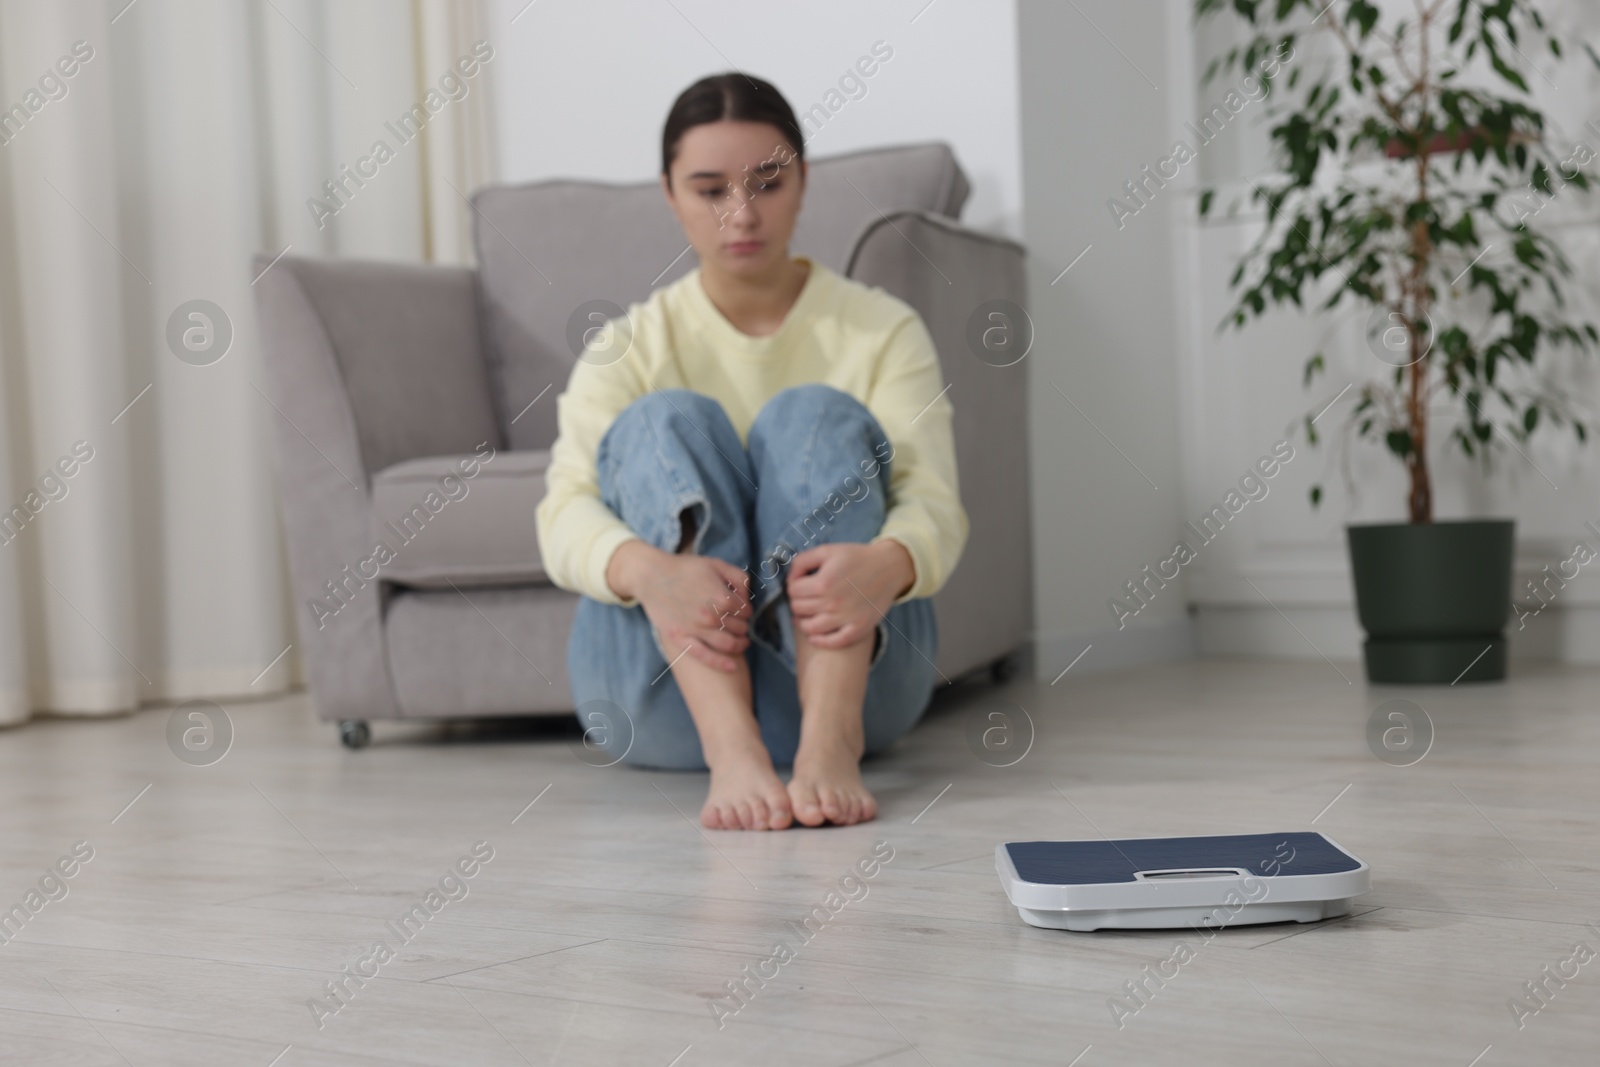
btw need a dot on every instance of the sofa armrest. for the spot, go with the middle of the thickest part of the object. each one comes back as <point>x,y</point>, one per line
<point>949,272</point>
<point>406,348</point>
<point>365,365</point>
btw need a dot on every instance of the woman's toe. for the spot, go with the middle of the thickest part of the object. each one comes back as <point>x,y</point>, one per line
<point>766,814</point>
<point>779,815</point>
<point>807,809</point>
<point>831,806</point>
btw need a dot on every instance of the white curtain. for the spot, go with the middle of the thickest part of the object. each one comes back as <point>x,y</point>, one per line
<point>149,149</point>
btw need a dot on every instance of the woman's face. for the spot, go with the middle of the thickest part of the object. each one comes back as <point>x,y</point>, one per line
<point>736,190</point>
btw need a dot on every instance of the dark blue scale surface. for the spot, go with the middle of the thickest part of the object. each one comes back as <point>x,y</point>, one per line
<point>1096,862</point>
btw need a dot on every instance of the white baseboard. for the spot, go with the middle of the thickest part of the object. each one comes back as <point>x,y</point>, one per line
<point>1109,650</point>
<point>1566,636</point>
<point>1301,632</point>
<point>89,698</point>
<point>1257,631</point>
<point>1571,635</point>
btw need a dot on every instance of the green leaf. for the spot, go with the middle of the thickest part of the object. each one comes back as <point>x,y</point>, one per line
<point>1316,495</point>
<point>1345,215</point>
<point>1313,365</point>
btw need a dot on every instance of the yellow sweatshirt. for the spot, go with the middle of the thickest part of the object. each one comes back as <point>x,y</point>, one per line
<point>860,340</point>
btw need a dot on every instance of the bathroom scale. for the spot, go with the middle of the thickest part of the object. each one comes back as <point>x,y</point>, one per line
<point>1152,883</point>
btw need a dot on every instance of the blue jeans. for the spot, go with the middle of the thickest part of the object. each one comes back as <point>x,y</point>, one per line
<point>816,472</point>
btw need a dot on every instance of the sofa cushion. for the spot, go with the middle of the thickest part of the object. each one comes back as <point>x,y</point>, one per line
<point>548,248</point>
<point>462,519</point>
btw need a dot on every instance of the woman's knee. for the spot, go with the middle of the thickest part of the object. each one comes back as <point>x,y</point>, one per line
<point>680,404</point>
<point>690,416</point>
<point>671,450</point>
<point>808,405</point>
<point>820,440</point>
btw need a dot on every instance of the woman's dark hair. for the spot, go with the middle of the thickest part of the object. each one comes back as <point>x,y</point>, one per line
<point>734,96</point>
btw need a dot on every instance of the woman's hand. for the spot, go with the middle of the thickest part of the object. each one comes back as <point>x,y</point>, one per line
<point>696,603</point>
<point>839,592</point>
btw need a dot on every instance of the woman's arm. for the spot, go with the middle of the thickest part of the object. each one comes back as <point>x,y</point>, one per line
<point>839,591</point>
<point>699,604</point>
<point>925,514</point>
<point>695,603</point>
<point>577,532</point>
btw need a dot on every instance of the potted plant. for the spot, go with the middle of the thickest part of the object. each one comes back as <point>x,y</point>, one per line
<point>1410,162</point>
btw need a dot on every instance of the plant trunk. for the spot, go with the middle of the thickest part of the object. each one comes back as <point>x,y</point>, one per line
<point>1420,500</point>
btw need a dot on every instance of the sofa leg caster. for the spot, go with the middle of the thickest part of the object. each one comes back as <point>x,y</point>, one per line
<point>1003,669</point>
<point>354,733</point>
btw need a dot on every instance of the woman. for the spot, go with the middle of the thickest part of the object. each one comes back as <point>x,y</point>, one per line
<point>754,488</point>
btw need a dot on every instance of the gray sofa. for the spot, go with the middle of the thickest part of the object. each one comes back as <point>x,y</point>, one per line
<point>415,404</point>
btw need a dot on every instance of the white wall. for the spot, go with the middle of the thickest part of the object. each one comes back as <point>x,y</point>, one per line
<point>1098,81</point>
<point>583,86</point>
<point>1131,334</point>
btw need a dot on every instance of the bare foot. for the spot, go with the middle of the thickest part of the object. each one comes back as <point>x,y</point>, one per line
<point>746,794</point>
<point>826,786</point>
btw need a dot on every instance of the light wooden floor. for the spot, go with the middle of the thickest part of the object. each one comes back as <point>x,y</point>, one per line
<point>607,923</point>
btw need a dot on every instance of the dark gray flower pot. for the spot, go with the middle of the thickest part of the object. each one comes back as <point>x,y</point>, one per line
<point>1434,599</point>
